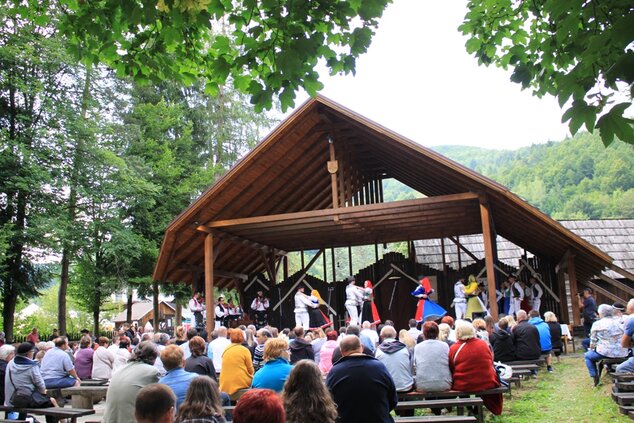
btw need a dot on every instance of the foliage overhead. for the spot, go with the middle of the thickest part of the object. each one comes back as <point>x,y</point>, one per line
<point>582,52</point>
<point>266,48</point>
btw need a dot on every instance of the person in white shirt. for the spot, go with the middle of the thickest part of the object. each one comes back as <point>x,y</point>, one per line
<point>222,311</point>
<point>218,346</point>
<point>196,306</point>
<point>536,293</point>
<point>460,299</point>
<point>517,295</point>
<point>413,330</point>
<point>302,302</point>
<point>370,333</point>
<point>354,297</point>
<point>102,360</point>
<point>260,307</point>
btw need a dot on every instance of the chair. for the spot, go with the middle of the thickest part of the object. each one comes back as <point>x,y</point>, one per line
<point>566,335</point>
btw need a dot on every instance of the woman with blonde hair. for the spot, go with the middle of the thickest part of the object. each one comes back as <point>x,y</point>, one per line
<point>443,333</point>
<point>237,365</point>
<point>511,321</point>
<point>407,339</point>
<point>306,398</point>
<point>179,333</point>
<point>319,339</point>
<point>202,403</point>
<point>555,333</point>
<point>276,366</point>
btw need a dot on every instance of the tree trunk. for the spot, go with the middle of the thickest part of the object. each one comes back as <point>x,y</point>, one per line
<point>95,315</point>
<point>8,315</point>
<point>178,318</point>
<point>128,314</point>
<point>63,287</point>
<point>155,291</point>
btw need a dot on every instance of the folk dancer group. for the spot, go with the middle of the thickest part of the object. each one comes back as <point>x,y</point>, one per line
<point>308,314</point>
<point>360,303</point>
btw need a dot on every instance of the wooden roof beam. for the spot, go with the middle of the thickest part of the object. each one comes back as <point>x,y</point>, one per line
<point>217,272</point>
<point>241,240</point>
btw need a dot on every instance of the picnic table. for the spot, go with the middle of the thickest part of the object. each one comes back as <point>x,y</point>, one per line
<point>58,412</point>
<point>84,396</point>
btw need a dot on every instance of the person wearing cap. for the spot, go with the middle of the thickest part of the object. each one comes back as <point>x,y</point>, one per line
<point>354,297</point>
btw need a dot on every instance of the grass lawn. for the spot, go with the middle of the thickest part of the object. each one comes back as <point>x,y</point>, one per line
<point>567,395</point>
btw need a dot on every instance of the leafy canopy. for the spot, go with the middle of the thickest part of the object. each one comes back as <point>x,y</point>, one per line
<point>575,50</point>
<point>265,47</point>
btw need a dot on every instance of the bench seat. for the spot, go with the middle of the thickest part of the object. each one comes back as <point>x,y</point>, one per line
<point>58,412</point>
<point>438,419</point>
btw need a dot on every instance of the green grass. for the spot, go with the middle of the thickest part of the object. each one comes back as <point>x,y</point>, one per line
<point>567,395</point>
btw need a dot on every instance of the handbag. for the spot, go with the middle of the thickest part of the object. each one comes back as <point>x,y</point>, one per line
<point>24,397</point>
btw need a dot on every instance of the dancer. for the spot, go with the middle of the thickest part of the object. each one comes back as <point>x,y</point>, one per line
<point>316,317</point>
<point>459,300</point>
<point>536,292</point>
<point>474,304</point>
<point>517,294</point>
<point>369,312</point>
<point>197,308</point>
<point>302,302</point>
<point>260,307</point>
<point>353,298</point>
<point>426,308</point>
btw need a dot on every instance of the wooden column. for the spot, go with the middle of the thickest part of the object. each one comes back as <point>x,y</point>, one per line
<point>489,254</point>
<point>155,300</point>
<point>563,305</point>
<point>332,169</point>
<point>209,284</point>
<point>572,278</point>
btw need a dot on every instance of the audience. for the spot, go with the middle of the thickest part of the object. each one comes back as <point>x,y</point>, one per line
<point>259,406</point>
<point>238,370</point>
<point>444,331</point>
<point>361,386</point>
<point>431,358</point>
<point>366,330</point>
<point>125,384</point>
<point>544,337</point>
<point>397,359</point>
<point>327,350</point>
<point>276,366</point>
<point>218,346</point>
<point>407,339</point>
<point>300,348</point>
<point>306,386</point>
<point>318,343</point>
<point>502,343</point>
<point>155,403</point>
<point>471,363</point>
<point>413,330</point>
<point>102,360</point>
<point>198,362</point>
<point>191,332</point>
<point>176,377</point>
<point>202,403</point>
<point>7,352</point>
<point>122,355</point>
<point>526,339</point>
<point>605,341</point>
<point>84,358</point>
<point>555,333</point>
<point>57,368</point>
<point>352,330</point>
<point>262,336</point>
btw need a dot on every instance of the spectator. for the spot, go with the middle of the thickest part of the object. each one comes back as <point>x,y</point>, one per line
<point>218,346</point>
<point>366,330</point>
<point>444,331</point>
<point>202,403</point>
<point>406,339</point>
<point>198,362</point>
<point>114,346</point>
<point>481,330</point>
<point>325,358</point>
<point>161,340</point>
<point>589,306</point>
<point>432,361</point>
<point>544,337</point>
<point>353,330</point>
<point>358,379</point>
<point>84,358</point>
<point>123,354</point>
<point>23,371</point>
<point>180,335</point>
<point>450,321</point>
<point>53,335</point>
<point>57,368</point>
<point>317,406</point>
<point>237,365</point>
<point>626,340</point>
<point>502,343</point>
<point>413,330</point>
<point>33,337</point>
<point>526,339</point>
<point>259,406</point>
<point>555,333</point>
<point>276,366</point>
<point>191,332</point>
<point>7,352</point>
<point>300,348</point>
<point>397,359</point>
<point>249,340</point>
<point>262,336</point>
<point>176,377</point>
<point>605,341</point>
<point>471,364</point>
<point>318,343</point>
<point>102,360</point>
<point>154,403</point>
<point>126,383</point>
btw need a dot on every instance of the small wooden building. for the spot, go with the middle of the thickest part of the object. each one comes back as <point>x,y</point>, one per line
<point>315,182</point>
<point>143,312</point>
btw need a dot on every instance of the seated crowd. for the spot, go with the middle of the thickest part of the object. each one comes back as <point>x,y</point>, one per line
<point>296,375</point>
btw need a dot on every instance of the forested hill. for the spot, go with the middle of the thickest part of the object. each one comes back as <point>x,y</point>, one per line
<point>576,178</point>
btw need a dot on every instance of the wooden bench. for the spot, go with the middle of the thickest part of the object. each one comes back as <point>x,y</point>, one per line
<point>623,377</point>
<point>84,396</point>
<point>416,395</point>
<point>539,362</point>
<point>623,398</point>
<point>607,363</point>
<point>438,419</point>
<point>624,386</point>
<point>58,412</point>
<point>458,403</point>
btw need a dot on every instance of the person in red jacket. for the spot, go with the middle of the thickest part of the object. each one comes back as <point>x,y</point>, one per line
<point>471,364</point>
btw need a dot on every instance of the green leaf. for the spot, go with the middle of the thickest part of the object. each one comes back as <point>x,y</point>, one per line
<point>614,124</point>
<point>473,45</point>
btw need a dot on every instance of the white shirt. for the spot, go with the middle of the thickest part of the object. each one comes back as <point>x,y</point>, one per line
<point>458,292</point>
<point>217,347</point>
<point>186,351</point>
<point>517,289</point>
<point>260,304</point>
<point>302,302</point>
<point>120,359</point>
<point>194,305</point>
<point>221,311</point>
<point>374,337</point>
<point>536,290</point>
<point>414,333</point>
<point>353,295</point>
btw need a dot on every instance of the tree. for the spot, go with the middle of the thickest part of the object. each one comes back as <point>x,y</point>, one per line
<point>572,49</point>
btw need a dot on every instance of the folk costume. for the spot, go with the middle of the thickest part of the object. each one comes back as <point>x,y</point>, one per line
<point>460,299</point>
<point>302,303</point>
<point>536,293</point>
<point>353,299</point>
<point>260,307</point>
<point>316,317</point>
<point>197,307</point>
<point>221,314</point>
<point>369,311</point>
<point>426,308</point>
<point>517,296</point>
<point>474,303</point>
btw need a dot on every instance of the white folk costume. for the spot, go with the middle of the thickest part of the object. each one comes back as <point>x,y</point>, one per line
<point>459,300</point>
<point>221,315</point>
<point>354,297</point>
<point>302,302</point>
<point>260,307</point>
<point>517,295</point>
<point>536,292</point>
<point>197,308</point>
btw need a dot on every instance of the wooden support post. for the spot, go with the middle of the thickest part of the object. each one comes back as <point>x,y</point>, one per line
<point>325,269</point>
<point>350,260</point>
<point>563,305</point>
<point>376,253</point>
<point>285,258</point>
<point>459,252</point>
<point>489,254</point>
<point>303,259</point>
<point>332,169</point>
<point>155,304</point>
<point>334,270</point>
<point>442,250</point>
<point>209,283</point>
<point>574,299</point>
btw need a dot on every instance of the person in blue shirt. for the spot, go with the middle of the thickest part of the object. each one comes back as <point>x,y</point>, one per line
<point>276,367</point>
<point>176,378</point>
<point>544,337</point>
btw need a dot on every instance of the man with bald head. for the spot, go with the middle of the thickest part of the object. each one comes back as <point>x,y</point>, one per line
<point>361,385</point>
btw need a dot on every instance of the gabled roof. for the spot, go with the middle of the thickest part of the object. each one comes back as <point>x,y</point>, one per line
<point>287,173</point>
<point>139,310</point>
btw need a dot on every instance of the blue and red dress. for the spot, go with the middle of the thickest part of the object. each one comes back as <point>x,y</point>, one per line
<point>426,308</point>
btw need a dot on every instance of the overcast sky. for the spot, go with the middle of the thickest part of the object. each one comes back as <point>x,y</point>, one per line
<point>418,80</point>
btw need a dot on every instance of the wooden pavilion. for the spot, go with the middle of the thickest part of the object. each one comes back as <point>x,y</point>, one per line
<point>315,182</point>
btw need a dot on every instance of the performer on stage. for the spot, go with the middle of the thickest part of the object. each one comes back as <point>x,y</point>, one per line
<point>474,304</point>
<point>536,293</point>
<point>302,303</point>
<point>460,299</point>
<point>426,308</point>
<point>369,311</point>
<point>527,300</point>
<point>517,294</point>
<point>316,317</point>
<point>222,312</point>
<point>353,299</point>
<point>260,306</point>
<point>235,313</point>
<point>197,307</point>
<point>506,293</point>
